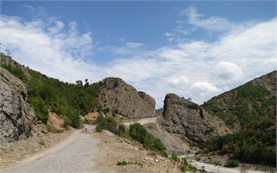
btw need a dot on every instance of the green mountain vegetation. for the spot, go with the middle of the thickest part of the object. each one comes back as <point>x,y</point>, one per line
<point>244,105</point>
<point>46,94</point>
<point>249,111</point>
<point>254,144</point>
<point>136,132</point>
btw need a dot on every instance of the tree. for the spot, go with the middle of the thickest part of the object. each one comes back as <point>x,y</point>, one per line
<point>79,83</point>
<point>86,84</point>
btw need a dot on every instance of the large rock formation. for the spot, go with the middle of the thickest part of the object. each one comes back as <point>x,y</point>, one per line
<point>16,115</point>
<point>189,120</point>
<point>119,97</point>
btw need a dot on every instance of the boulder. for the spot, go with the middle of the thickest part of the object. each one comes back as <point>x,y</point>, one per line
<point>118,97</point>
<point>16,115</point>
<point>189,120</point>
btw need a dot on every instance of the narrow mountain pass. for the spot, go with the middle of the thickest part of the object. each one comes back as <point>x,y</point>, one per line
<point>77,153</point>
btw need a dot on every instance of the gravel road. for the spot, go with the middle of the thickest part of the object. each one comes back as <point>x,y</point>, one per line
<point>76,154</point>
<point>142,121</point>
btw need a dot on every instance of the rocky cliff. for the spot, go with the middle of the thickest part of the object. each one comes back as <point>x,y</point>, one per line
<point>16,115</point>
<point>118,97</point>
<point>189,120</point>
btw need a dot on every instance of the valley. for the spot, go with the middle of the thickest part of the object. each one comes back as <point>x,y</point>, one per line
<point>42,127</point>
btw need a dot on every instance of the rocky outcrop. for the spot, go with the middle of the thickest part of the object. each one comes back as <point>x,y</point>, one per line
<point>16,115</point>
<point>118,97</point>
<point>189,120</point>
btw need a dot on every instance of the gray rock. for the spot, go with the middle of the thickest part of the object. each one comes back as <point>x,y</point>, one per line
<point>119,97</point>
<point>189,120</point>
<point>16,115</point>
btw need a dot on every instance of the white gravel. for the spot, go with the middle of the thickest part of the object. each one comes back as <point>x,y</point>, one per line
<point>76,154</point>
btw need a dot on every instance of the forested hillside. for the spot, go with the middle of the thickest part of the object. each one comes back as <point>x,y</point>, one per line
<point>46,94</point>
<point>250,111</point>
<point>246,104</point>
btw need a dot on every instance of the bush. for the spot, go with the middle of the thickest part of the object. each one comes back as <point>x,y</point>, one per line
<point>174,156</point>
<point>186,166</point>
<point>121,129</point>
<point>254,144</point>
<point>40,108</point>
<point>232,163</point>
<point>122,163</point>
<point>139,133</point>
<point>17,72</point>
<point>109,123</point>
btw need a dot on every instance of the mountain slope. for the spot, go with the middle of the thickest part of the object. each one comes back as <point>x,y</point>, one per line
<point>245,104</point>
<point>46,94</point>
<point>250,111</point>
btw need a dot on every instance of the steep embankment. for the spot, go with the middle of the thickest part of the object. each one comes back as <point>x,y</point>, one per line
<point>190,121</point>
<point>16,115</point>
<point>120,98</point>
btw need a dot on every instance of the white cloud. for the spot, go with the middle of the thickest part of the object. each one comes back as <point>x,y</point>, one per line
<point>126,49</point>
<point>227,71</point>
<point>196,68</point>
<point>205,88</point>
<point>179,80</point>
<point>43,46</point>
<point>210,23</point>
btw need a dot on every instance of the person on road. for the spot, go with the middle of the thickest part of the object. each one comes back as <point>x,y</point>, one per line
<point>86,128</point>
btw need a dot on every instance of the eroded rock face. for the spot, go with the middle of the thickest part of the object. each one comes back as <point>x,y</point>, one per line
<point>189,120</point>
<point>16,115</point>
<point>119,97</point>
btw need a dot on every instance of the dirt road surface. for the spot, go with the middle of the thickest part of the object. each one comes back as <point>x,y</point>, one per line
<point>76,154</point>
<point>142,121</point>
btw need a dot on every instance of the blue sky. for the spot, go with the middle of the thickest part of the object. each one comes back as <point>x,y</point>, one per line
<point>191,48</point>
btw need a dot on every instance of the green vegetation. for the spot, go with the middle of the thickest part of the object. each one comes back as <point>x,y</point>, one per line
<point>252,106</point>
<point>108,123</point>
<point>136,132</point>
<point>47,94</point>
<point>174,156</point>
<point>122,163</point>
<point>232,163</point>
<point>254,144</point>
<point>183,163</point>
<point>245,104</point>
<point>185,166</point>
<point>139,133</point>
<point>17,72</point>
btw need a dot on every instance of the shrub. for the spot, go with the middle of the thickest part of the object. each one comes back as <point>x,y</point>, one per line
<point>186,166</point>
<point>121,129</point>
<point>174,156</point>
<point>108,123</point>
<point>40,108</point>
<point>121,163</point>
<point>16,71</point>
<point>139,133</point>
<point>254,144</point>
<point>232,163</point>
